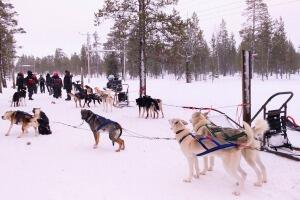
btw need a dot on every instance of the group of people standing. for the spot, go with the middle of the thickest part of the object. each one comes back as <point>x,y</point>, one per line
<point>53,83</point>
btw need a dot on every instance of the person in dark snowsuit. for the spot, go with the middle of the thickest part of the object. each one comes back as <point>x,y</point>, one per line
<point>20,81</point>
<point>68,84</point>
<point>57,85</point>
<point>49,84</point>
<point>42,83</point>
<point>31,82</point>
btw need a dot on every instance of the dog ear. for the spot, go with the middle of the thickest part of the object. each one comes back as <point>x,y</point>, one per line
<point>184,122</point>
<point>206,114</point>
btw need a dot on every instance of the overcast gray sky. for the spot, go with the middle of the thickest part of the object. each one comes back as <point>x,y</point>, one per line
<point>52,24</point>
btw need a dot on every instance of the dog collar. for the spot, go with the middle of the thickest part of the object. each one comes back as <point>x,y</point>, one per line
<point>179,131</point>
<point>201,127</point>
<point>89,118</point>
<point>181,140</point>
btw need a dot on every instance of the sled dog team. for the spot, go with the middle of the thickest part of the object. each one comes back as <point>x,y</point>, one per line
<point>246,147</point>
<point>190,144</point>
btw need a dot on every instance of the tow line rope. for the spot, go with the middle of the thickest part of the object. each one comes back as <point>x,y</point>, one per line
<point>130,133</point>
<point>134,134</point>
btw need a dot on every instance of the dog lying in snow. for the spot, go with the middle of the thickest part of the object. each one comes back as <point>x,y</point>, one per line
<point>150,105</point>
<point>201,124</point>
<point>24,119</point>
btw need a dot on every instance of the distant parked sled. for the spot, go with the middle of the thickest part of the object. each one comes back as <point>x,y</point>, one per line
<point>121,98</point>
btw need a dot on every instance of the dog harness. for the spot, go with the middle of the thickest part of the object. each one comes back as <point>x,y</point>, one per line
<point>103,122</point>
<point>200,140</point>
<point>217,130</point>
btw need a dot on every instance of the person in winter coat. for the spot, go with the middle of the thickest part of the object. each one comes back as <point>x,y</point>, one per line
<point>20,81</point>
<point>68,84</point>
<point>57,85</point>
<point>42,83</point>
<point>36,84</point>
<point>31,82</point>
<point>49,84</point>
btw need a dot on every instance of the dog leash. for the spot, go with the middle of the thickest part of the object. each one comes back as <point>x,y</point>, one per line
<point>73,126</point>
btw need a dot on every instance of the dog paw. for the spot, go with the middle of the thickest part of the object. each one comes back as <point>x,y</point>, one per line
<point>118,150</point>
<point>196,176</point>
<point>187,180</point>
<point>19,136</point>
<point>95,147</point>
<point>258,184</point>
<point>265,180</point>
<point>236,193</point>
<point>203,173</point>
<point>210,169</point>
<point>6,134</point>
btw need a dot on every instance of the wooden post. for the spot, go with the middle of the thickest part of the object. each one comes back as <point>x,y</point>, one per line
<point>13,77</point>
<point>81,76</point>
<point>246,85</point>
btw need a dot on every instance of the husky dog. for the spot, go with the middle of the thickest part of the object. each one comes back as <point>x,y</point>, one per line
<point>250,152</point>
<point>190,147</point>
<point>100,124</point>
<point>43,128</point>
<point>107,98</point>
<point>150,105</point>
<point>18,97</point>
<point>24,119</point>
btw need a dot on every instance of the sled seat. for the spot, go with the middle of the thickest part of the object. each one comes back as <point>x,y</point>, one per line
<point>276,122</point>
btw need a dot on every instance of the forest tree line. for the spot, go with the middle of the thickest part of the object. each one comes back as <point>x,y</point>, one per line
<point>171,45</point>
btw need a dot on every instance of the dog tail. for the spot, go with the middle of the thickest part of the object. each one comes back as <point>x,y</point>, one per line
<point>261,126</point>
<point>250,134</point>
<point>156,102</point>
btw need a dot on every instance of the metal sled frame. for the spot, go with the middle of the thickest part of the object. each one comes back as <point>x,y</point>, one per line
<point>277,121</point>
<point>122,102</point>
<point>222,113</point>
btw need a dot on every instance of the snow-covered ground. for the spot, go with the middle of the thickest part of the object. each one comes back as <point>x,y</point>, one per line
<point>64,166</point>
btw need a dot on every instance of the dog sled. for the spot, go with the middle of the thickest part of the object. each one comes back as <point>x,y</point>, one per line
<point>121,91</point>
<point>276,140</point>
<point>121,98</point>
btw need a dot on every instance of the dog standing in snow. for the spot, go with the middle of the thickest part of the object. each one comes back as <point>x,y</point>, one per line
<point>99,124</point>
<point>150,106</point>
<point>201,124</point>
<point>24,119</point>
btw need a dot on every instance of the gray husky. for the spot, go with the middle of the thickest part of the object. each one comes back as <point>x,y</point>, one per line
<point>98,123</point>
